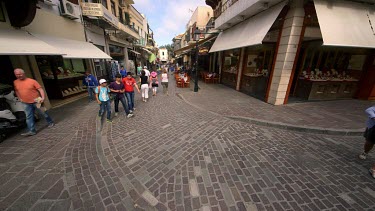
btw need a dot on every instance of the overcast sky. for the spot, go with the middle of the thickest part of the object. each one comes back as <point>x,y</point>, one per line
<point>167,18</point>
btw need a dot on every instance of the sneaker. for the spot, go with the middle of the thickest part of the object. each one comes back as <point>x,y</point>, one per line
<point>130,115</point>
<point>51,125</point>
<point>134,108</point>
<point>109,120</point>
<point>363,156</point>
<point>116,113</point>
<point>131,111</point>
<point>28,134</point>
<point>372,173</point>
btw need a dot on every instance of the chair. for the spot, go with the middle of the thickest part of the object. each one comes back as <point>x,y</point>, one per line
<point>180,83</point>
<point>207,78</point>
<point>216,78</point>
<point>187,82</point>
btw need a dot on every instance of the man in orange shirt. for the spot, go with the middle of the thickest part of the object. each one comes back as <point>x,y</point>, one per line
<point>28,91</point>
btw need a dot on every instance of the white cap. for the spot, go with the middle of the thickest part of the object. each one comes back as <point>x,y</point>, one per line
<point>102,81</point>
<point>145,67</point>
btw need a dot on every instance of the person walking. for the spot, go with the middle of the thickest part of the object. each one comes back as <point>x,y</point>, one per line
<point>91,83</point>
<point>123,72</point>
<point>102,97</point>
<point>154,83</point>
<point>147,72</point>
<point>164,81</point>
<point>130,83</point>
<point>369,133</point>
<point>30,93</point>
<point>139,69</point>
<point>144,86</point>
<point>118,88</point>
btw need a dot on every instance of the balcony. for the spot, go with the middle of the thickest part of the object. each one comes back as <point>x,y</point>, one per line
<point>231,12</point>
<point>97,14</point>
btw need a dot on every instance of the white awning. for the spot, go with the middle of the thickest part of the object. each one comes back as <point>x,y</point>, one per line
<point>345,23</point>
<point>248,33</point>
<point>19,42</point>
<point>73,49</point>
<point>145,49</point>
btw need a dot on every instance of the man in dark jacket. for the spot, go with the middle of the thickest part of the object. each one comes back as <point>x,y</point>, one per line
<point>91,83</point>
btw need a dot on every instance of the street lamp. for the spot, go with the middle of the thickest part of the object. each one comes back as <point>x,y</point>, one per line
<point>196,37</point>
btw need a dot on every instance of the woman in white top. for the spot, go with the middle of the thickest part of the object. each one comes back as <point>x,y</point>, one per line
<point>164,81</point>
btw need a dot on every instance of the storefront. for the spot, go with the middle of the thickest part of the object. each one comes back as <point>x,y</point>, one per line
<point>326,73</point>
<point>295,50</point>
<point>231,65</point>
<point>6,75</point>
<point>61,77</point>
<point>256,70</point>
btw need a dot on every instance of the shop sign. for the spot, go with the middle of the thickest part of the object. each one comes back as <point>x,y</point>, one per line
<point>92,9</point>
<point>98,10</point>
<point>203,50</point>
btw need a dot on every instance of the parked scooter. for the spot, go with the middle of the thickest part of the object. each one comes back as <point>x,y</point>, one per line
<point>12,114</point>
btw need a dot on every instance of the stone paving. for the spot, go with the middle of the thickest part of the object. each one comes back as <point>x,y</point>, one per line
<point>174,156</point>
<point>338,114</point>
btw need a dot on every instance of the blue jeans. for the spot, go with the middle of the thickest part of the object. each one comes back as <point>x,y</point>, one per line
<point>105,106</point>
<point>123,102</point>
<point>90,90</point>
<point>130,97</point>
<point>30,121</point>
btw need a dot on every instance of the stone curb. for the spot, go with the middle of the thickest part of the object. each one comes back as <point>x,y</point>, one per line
<point>318,130</point>
<point>285,126</point>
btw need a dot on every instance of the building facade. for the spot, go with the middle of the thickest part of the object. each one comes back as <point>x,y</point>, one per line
<point>163,55</point>
<point>296,50</point>
<point>48,41</point>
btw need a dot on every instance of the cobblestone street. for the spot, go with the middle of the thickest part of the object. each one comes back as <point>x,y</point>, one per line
<point>175,156</point>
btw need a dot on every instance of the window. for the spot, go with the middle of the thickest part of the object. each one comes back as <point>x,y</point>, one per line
<point>104,3</point>
<point>121,15</point>
<point>162,53</point>
<point>113,8</point>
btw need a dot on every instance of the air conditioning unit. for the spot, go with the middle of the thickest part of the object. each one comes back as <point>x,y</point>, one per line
<point>69,10</point>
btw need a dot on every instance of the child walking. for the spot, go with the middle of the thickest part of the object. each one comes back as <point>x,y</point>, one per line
<point>154,82</point>
<point>102,97</point>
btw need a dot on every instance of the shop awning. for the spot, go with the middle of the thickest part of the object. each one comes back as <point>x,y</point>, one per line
<point>189,47</point>
<point>145,49</point>
<point>19,42</point>
<point>345,23</point>
<point>135,52</point>
<point>73,49</point>
<point>248,33</point>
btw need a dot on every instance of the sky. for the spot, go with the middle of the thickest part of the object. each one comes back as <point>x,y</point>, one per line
<point>167,18</point>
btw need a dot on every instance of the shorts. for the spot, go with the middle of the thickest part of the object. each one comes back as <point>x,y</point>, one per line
<point>370,135</point>
<point>164,84</point>
<point>155,85</point>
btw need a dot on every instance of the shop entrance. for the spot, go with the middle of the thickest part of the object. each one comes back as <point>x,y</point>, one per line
<point>6,74</point>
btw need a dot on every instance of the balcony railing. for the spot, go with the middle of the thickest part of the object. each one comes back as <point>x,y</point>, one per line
<point>222,7</point>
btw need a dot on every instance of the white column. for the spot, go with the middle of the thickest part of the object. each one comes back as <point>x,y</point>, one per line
<point>286,55</point>
<point>239,74</point>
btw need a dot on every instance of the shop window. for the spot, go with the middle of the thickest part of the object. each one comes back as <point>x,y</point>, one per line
<point>328,63</point>
<point>61,76</point>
